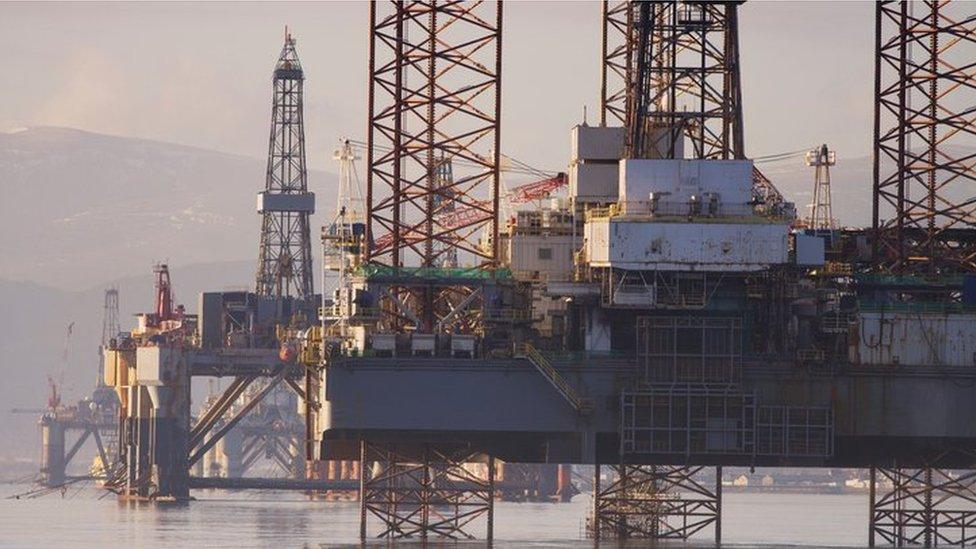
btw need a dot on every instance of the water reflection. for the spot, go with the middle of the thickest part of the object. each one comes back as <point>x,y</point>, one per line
<point>262,519</point>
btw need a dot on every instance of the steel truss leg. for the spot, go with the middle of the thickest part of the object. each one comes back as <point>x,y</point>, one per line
<point>653,502</point>
<point>926,506</point>
<point>423,492</point>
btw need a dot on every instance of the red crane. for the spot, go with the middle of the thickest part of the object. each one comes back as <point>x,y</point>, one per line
<point>470,215</point>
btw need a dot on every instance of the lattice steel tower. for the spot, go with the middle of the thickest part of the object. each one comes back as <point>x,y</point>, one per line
<point>434,93</point>
<point>110,316</point>
<point>670,72</point>
<point>821,213</point>
<point>285,258</point>
<point>445,180</point>
<point>924,174</point>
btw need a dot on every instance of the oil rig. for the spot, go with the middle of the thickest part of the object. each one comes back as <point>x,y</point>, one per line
<point>66,428</point>
<point>658,312</point>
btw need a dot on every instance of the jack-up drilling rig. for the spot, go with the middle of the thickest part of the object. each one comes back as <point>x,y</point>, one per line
<point>668,319</point>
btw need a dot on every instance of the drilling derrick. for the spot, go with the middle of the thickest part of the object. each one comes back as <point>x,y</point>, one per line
<point>671,70</point>
<point>821,215</point>
<point>923,171</point>
<point>285,258</point>
<point>434,93</point>
<point>671,79</point>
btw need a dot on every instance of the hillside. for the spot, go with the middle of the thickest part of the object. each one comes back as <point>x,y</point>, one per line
<point>81,208</point>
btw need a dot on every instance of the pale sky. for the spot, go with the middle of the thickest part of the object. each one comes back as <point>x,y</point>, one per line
<point>199,74</point>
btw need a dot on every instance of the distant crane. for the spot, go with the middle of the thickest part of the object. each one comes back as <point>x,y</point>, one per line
<point>341,238</point>
<point>54,396</point>
<point>466,215</point>
<point>821,216</point>
<point>450,215</point>
<point>350,196</point>
<point>110,330</point>
<point>164,310</point>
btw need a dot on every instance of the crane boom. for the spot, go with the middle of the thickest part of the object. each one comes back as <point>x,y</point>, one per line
<point>474,214</point>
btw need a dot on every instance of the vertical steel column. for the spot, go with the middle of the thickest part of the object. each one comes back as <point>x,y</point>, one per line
<point>490,535</point>
<point>923,203</point>
<point>872,507</point>
<point>423,492</point>
<point>497,140</point>
<point>928,519</point>
<point>596,526</point>
<point>434,96</point>
<point>718,505</point>
<point>365,470</point>
<point>616,67</point>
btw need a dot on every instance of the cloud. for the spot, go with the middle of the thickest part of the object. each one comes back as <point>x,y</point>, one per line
<point>91,95</point>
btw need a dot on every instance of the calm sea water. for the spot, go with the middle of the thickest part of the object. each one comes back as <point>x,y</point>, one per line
<point>258,519</point>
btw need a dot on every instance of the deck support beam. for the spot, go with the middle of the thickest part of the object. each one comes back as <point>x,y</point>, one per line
<point>922,506</point>
<point>422,491</point>
<point>653,502</point>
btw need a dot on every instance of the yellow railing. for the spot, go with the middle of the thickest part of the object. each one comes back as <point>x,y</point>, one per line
<point>545,368</point>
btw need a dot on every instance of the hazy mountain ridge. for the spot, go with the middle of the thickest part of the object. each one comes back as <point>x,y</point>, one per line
<point>81,208</point>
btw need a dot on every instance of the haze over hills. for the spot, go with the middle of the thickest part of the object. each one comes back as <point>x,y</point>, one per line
<point>82,208</point>
<point>851,182</point>
<point>850,187</point>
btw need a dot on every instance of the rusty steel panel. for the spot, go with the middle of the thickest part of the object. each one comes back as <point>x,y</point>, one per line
<point>914,338</point>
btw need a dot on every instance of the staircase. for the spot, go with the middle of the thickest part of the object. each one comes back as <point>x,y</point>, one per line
<point>543,366</point>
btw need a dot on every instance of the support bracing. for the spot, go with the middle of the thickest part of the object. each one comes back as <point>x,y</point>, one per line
<point>924,170</point>
<point>925,506</point>
<point>653,502</point>
<point>618,56</point>
<point>434,97</point>
<point>197,452</point>
<point>670,71</point>
<point>425,491</point>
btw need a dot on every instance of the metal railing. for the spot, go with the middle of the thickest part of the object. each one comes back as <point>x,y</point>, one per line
<point>544,367</point>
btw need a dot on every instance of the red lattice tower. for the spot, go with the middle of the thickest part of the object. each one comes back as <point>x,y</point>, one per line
<point>434,93</point>
<point>924,137</point>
